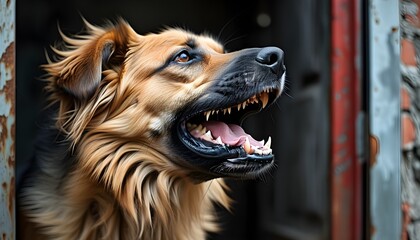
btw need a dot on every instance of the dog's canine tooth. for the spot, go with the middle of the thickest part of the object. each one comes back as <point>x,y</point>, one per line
<point>243,105</point>
<point>219,140</point>
<point>239,106</point>
<point>247,146</point>
<point>229,110</point>
<point>264,99</point>
<point>268,144</point>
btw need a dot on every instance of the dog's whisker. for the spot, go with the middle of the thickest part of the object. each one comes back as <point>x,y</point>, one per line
<point>234,39</point>
<point>224,27</point>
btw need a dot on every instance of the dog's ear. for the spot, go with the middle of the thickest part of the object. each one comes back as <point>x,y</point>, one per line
<point>79,68</point>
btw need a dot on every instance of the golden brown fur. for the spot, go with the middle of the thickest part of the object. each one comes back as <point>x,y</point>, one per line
<point>124,186</point>
<point>108,168</point>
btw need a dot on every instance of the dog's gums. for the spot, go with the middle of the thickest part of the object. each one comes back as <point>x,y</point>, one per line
<point>219,128</point>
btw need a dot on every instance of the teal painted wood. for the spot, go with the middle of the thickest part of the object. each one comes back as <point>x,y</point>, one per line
<point>384,104</point>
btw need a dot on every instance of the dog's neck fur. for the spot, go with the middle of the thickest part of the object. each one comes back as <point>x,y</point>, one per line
<point>101,172</point>
<point>144,204</point>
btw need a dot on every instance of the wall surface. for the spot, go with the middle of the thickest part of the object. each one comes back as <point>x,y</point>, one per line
<point>410,117</point>
<point>7,118</point>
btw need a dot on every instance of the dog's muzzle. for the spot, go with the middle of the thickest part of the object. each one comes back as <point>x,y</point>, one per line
<point>208,133</point>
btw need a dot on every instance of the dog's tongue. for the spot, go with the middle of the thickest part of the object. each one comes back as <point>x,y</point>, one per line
<point>231,134</point>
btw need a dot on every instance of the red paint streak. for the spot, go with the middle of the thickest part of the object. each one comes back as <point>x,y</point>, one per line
<point>11,195</point>
<point>346,193</point>
<point>9,60</point>
<point>3,133</point>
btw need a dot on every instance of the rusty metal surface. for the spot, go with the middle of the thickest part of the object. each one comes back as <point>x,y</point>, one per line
<point>384,76</point>
<point>346,116</point>
<point>7,119</point>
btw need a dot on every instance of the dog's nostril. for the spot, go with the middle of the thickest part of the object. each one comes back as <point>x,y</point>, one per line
<point>271,57</point>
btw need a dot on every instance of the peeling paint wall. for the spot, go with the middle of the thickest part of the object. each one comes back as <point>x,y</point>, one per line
<point>384,107</point>
<point>7,119</point>
<point>410,118</point>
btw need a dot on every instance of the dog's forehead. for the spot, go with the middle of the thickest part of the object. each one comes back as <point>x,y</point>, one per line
<point>180,37</point>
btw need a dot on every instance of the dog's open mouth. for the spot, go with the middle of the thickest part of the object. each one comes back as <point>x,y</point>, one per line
<point>216,134</point>
<point>223,126</point>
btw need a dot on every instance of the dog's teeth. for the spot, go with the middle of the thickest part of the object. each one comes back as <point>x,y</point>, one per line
<point>239,107</point>
<point>268,144</point>
<point>264,100</point>
<point>208,134</point>
<point>190,126</point>
<point>229,110</point>
<point>266,151</point>
<point>243,105</point>
<point>258,151</point>
<point>207,115</point>
<point>219,140</point>
<point>224,111</point>
<point>203,130</point>
<point>247,146</point>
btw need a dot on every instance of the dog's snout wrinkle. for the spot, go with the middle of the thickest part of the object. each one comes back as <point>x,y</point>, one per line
<point>271,57</point>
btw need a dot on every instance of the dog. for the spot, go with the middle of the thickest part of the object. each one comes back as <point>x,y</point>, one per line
<point>143,130</point>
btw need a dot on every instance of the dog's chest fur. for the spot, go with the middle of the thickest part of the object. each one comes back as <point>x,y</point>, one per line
<point>67,204</point>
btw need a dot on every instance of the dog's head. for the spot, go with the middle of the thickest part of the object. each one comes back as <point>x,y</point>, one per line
<point>173,95</point>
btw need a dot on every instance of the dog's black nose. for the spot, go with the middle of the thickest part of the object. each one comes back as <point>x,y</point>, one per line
<point>271,57</point>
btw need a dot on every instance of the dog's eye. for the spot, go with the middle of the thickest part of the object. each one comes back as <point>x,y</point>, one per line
<point>183,57</point>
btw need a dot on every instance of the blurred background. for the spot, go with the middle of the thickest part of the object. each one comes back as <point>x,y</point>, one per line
<point>323,127</point>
